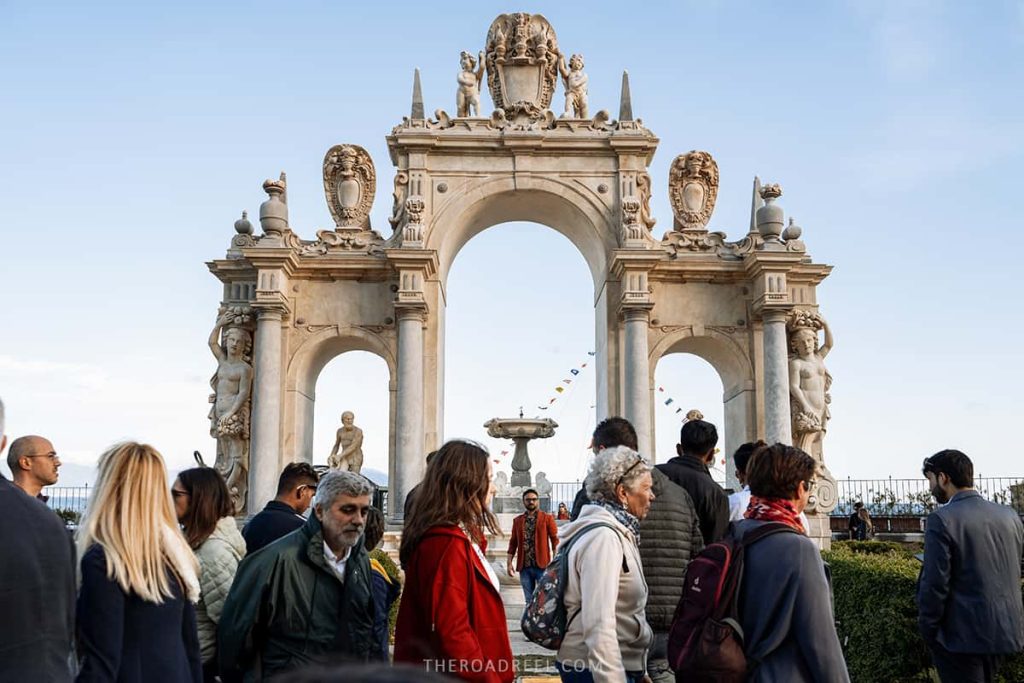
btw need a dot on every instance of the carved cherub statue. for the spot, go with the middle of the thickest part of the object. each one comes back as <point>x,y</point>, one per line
<point>575,82</point>
<point>467,99</point>
<point>809,381</point>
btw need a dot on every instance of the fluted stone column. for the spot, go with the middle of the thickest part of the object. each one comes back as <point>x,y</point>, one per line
<point>409,455</point>
<point>266,410</point>
<point>637,384</point>
<point>776,379</point>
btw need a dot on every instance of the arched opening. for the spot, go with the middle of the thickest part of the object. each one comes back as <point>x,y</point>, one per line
<point>682,382</point>
<point>519,320</point>
<point>356,381</point>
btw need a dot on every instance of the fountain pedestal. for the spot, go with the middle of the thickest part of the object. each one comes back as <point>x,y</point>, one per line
<point>521,430</point>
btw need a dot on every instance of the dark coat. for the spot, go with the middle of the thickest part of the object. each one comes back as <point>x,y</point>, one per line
<point>287,608</point>
<point>37,590</point>
<point>451,614</point>
<point>968,595</point>
<point>578,502</point>
<point>708,497</point>
<point>669,537</point>
<point>124,638</point>
<point>785,609</point>
<point>545,539</point>
<point>275,520</point>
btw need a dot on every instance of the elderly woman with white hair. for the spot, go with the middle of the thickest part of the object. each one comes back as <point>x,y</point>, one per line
<point>608,636</point>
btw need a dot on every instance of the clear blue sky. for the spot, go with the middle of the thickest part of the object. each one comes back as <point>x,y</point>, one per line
<point>132,135</point>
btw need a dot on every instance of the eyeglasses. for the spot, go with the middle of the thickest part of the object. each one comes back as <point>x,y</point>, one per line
<point>639,461</point>
<point>52,455</point>
<point>530,500</point>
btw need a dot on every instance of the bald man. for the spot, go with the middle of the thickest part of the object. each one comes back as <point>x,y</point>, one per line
<point>34,464</point>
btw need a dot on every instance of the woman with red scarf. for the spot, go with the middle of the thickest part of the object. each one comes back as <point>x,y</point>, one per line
<point>452,619</point>
<point>785,606</point>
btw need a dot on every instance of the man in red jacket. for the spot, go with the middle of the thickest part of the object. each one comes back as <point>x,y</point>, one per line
<point>534,539</point>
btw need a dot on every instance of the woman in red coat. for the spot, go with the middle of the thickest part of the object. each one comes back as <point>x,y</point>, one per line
<point>452,619</point>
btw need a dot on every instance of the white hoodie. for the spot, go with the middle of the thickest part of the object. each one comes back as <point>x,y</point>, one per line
<point>610,634</point>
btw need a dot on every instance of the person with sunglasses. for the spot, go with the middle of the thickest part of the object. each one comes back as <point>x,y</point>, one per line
<point>533,541</point>
<point>295,490</point>
<point>607,636</point>
<point>34,464</point>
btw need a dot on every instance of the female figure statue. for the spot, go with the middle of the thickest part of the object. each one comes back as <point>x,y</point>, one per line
<point>809,382</point>
<point>229,418</point>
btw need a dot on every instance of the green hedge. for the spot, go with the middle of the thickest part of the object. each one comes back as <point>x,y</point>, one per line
<point>874,585</point>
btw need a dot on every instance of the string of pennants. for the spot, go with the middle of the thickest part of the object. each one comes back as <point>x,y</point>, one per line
<point>670,401</point>
<point>557,393</point>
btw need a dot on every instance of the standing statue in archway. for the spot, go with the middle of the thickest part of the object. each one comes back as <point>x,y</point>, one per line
<point>232,388</point>
<point>350,442</point>
<point>467,100</point>
<point>809,381</point>
<point>575,82</point>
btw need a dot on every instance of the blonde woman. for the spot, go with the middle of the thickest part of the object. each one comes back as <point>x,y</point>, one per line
<point>136,619</point>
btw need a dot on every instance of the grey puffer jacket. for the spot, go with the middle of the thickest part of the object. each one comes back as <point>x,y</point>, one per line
<point>669,537</point>
<point>218,557</point>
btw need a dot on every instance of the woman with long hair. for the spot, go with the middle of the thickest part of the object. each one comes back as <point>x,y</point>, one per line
<point>136,620</point>
<point>203,505</point>
<point>452,619</point>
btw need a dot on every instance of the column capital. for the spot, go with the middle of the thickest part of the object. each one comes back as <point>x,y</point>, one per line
<point>411,310</point>
<point>774,315</point>
<point>637,312</point>
<point>270,310</point>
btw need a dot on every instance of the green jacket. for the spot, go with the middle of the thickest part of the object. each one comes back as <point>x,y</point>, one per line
<point>286,608</point>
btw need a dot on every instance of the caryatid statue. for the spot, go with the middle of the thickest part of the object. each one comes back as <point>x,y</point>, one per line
<point>347,454</point>
<point>232,387</point>
<point>809,381</point>
<point>467,99</point>
<point>575,82</point>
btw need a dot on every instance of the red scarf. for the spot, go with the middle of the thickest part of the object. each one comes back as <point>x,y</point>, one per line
<point>774,510</point>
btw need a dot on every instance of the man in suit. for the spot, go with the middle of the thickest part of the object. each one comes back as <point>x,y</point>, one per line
<point>533,542</point>
<point>38,579</point>
<point>969,592</point>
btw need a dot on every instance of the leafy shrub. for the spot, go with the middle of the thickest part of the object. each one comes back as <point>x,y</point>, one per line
<point>68,516</point>
<point>874,586</point>
<point>872,547</point>
<point>395,575</point>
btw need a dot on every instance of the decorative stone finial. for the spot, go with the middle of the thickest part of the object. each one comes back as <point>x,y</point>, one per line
<point>625,100</point>
<point>242,225</point>
<point>792,231</point>
<point>417,111</point>
<point>770,216</point>
<point>755,203</point>
<point>274,211</point>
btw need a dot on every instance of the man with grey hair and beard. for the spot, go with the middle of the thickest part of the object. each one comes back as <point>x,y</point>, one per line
<point>308,596</point>
<point>37,576</point>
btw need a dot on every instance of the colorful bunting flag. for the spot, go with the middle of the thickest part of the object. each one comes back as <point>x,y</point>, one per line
<point>575,371</point>
<point>567,381</point>
<point>668,402</point>
<point>559,389</point>
<point>591,353</point>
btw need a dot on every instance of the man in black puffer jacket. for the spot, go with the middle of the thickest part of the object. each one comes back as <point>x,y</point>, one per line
<point>669,537</point>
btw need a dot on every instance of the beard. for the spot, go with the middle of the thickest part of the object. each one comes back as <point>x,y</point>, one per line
<point>941,496</point>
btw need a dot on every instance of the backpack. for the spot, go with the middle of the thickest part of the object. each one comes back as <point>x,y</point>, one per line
<point>705,643</point>
<point>545,620</point>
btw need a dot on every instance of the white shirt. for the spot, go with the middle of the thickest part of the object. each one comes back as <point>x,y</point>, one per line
<point>739,501</point>
<point>491,574</point>
<point>337,564</point>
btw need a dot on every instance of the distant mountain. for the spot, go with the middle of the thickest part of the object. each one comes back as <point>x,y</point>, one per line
<point>376,476</point>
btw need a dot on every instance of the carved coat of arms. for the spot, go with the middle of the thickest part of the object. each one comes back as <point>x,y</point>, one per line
<point>350,183</point>
<point>692,189</point>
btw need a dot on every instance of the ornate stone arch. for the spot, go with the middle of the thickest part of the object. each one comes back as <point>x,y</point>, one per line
<point>317,347</point>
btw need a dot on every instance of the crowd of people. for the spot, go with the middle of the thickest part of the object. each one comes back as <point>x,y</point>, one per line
<point>158,583</point>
